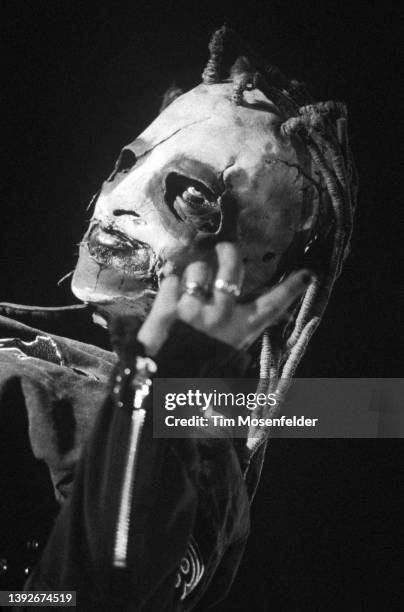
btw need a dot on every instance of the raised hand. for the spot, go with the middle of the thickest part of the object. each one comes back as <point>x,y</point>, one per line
<point>210,304</point>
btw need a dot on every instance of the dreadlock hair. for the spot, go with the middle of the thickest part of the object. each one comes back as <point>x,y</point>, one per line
<point>322,128</point>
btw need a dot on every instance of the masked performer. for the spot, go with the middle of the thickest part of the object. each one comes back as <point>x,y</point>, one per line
<point>212,252</point>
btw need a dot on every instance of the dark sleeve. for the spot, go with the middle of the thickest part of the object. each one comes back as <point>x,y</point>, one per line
<point>189,353</point>
<point>223,576</point>
<point>170,493</point>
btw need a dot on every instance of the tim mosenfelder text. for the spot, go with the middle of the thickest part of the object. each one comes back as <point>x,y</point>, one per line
<point>218,420</point>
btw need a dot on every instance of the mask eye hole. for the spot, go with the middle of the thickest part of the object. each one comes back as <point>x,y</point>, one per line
<point>192,202</point>
<point>126,160</point>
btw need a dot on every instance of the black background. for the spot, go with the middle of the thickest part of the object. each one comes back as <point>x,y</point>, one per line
<point>80,80</point>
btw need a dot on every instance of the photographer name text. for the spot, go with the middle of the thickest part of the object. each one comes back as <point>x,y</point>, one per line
<point>217,420</point>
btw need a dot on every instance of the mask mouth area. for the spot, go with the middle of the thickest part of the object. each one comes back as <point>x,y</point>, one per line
<point>111,248</point>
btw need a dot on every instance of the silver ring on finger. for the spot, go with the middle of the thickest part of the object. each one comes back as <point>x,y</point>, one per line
<point>226,287</point>
<point>196,289</point>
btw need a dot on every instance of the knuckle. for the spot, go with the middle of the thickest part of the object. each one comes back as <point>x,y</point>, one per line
<point>213,320</point>
<point>222,314</point>
<point>190,312</point>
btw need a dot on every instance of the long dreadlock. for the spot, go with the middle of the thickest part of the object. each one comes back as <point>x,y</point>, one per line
<point>322,128</point>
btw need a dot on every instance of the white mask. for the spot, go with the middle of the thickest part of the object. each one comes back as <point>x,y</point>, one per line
<point>167,187</point>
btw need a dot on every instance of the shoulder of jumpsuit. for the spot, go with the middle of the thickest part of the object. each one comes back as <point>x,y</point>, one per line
<point>61,382</point>
<point>189,353</point>
<point>31,339</point>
